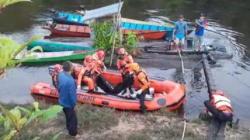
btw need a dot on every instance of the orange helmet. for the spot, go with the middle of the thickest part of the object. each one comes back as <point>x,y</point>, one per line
<point>100,54</point>
<point>88,59</point>
<point>121,51</point>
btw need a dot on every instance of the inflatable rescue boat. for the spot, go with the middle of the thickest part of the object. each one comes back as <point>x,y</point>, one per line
<point>167,94</point>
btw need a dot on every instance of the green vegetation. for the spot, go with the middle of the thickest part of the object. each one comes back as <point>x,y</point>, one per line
<point>105,34</point>
<point>14,120</point>
<point>4,3</point>
<point>9,49</point>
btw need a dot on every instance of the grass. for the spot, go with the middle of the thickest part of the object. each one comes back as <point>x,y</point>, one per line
<point>95,118</point>
<point>100,123</point>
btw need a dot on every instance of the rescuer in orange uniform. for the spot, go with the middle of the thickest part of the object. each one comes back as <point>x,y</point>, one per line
<point>221,109</point>
<point>123,59</point>
<point>144,84</point>
<point>91,72</point>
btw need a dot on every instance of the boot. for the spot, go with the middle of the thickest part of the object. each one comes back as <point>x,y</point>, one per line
<point>143,109</point>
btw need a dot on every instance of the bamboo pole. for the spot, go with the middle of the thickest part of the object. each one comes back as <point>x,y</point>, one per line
<point>117,29</point>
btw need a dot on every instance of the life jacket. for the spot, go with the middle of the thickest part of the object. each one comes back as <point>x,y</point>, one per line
<point>122,62</point>
<point>83,72</point>
<point>221,102</point>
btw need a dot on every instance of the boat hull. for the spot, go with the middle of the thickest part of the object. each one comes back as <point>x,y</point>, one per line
<point>62,30</point>
<point>53,59</point>
<point>48,46</point>
<point>147,35</point>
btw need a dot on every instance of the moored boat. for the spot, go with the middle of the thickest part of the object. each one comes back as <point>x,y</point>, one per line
<point>78,19</point>
<point>147,30</point>
<point>64,30</point>
<point>49,46</point>
<point>167,94</point>
<point>131,24</point>
<point>147,35</point>
<point>49,57</point>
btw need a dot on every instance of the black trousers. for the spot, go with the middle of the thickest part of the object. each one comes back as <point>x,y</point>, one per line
<point>71,120</point>
<point>127,82</point>
<point>104,84</point>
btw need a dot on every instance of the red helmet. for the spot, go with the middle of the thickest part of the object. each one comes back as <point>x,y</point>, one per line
<point>121,51</point>
<point>100,54</point>
<point>88,59</point>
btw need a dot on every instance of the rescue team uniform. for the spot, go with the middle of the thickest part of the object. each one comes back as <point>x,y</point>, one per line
<point>122,61</point>
<point>138,75</point>
<point>91,74</point>
<point>121,66</point>
<point>144,84</point>
<point>85,76</point>
<point>220,107</point>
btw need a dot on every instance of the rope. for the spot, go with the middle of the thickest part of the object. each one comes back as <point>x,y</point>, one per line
<point>183,72</point>
<point>182,64</point>
<point>184,130</point>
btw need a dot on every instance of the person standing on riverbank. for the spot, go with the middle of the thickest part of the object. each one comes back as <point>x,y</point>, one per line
<point>67,97</point>
<point>201,24</point>
<point>180,32</point>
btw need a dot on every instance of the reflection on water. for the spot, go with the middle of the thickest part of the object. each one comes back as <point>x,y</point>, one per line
<point>229,18</point>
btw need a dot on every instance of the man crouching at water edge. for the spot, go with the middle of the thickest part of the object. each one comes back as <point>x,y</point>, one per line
<point>67,97</point>
<point>222,112</point>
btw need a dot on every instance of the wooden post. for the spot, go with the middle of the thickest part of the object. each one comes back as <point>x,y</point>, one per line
<point>117,29</point>
<point>208,75</point>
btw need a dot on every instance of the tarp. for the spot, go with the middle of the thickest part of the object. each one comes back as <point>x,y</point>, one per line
<point>103,11</point>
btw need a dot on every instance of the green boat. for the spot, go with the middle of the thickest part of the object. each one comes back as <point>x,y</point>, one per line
<point>49,46</point>
<point>50,57</point>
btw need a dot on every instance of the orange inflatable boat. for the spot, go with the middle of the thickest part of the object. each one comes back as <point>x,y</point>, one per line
<point>167,94</point>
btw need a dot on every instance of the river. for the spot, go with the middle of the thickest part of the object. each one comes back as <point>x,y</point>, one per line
<point>231,18</point>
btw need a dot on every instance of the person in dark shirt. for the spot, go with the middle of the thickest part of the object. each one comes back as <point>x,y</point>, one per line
<point>67,97</point>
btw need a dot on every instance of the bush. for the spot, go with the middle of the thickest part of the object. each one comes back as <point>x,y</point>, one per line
<point>104,33</point>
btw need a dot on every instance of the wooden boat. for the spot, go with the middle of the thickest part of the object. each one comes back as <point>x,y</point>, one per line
<point>147,30</point>
<point>64,30</point>
<point>78,19</point>
<point>49,57</point>
<point>131,24</point>
<point>147,35</point>
<point>167,94</point>
<point>49,46</point>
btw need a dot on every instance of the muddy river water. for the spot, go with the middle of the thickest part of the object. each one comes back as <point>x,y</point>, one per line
<point>230,75</point>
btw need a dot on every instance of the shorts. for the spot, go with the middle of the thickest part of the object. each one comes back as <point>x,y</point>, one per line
<point>198,41</point>
<point>179,39</point>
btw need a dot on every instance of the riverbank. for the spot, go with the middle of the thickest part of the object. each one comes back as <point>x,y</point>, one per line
<point>98,123</point>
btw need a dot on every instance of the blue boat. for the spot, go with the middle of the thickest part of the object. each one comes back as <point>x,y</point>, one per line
<point>137,25</point>
<point>49,46</point>
<point>78,19</point>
